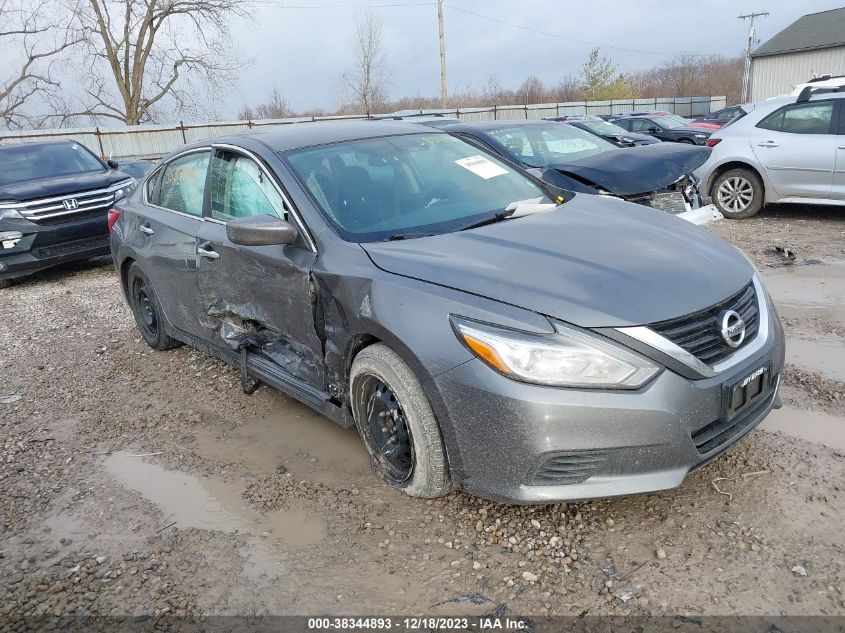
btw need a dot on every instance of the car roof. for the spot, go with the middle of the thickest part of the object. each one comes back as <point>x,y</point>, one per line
<point>39,143</point>
<point>299,135</point>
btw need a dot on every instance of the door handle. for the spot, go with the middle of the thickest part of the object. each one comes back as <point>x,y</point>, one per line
<point>145,229</point>
<point>768,144</point>
<point>842,147</point>
<point>205,250</point>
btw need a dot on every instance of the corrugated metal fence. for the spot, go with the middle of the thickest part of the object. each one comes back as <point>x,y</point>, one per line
<point>155,141</point>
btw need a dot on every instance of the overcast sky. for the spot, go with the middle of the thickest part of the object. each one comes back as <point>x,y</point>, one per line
<point>304,50</point>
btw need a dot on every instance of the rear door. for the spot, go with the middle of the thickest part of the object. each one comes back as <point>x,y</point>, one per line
<point>257,297</point>
<point>838,188</point>
<point>164,234</point>
<point>796,145</point>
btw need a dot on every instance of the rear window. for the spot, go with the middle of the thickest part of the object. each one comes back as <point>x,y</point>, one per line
<point>33,162</point>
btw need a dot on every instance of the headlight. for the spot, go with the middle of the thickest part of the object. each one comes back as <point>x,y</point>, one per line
<point>10,214</point>
<point>124,189</point>
<point>567,358</point>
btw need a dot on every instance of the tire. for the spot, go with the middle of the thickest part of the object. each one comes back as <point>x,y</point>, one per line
<point>149,317</point>
<point>738,193</point>
<point>407,412</point>
<point>5,283</point>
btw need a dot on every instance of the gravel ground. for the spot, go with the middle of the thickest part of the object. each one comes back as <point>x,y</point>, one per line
<point>136,482</point>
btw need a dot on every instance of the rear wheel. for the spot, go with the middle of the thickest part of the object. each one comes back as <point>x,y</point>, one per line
<point>738,193</point>
<point>397,424</point>
<point>146,308</point>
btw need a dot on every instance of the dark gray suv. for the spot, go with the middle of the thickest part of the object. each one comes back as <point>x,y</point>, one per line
<point>481,331</point>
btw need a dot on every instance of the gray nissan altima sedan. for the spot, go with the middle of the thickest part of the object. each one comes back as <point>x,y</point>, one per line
<point>480,330</point>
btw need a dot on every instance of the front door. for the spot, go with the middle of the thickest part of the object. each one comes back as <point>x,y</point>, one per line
<point>256,297</point>
<point>797,147</point>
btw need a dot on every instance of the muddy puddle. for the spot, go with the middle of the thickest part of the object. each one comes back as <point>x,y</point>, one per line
<point>813,290</point>
<point>810,426</point>
<point>207,504</point>
<point>302,441</point>
<point>825,355</point>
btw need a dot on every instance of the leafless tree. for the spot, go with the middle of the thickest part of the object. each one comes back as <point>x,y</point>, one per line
<point>568,89</point>
<point>276,107</point>
<point>145,58</point>
<point>366,83</point>
<point>31,38</point>
<point>531,90</point>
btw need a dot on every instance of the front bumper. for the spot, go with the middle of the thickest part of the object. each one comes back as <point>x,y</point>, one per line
<point>524,443</point>
<point>44,245</point>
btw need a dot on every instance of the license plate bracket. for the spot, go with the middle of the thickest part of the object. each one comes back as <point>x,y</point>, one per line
<point>746,392</point>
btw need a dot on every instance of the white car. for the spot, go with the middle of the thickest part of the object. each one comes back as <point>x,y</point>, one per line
<point>785,149</point>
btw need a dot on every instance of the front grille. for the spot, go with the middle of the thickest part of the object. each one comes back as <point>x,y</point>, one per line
<point>672,202</point>
<point>721,431</point>
<point>700,333</point>
<point>56,209</point>
<point>566,468</point>
<point>65,248</point>
<point>100,212</point>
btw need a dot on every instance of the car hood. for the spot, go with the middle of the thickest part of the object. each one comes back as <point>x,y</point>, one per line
<point>594,262</point>
<point>59,185</point>
<point>635,170</point>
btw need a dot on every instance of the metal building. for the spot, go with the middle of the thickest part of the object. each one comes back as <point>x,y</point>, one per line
<point>813,44</point>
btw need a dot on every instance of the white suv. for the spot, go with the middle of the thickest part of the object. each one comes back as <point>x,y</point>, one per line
<point>783,150</point>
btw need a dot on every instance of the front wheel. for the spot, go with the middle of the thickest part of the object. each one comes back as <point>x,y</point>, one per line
<point>397,424</point>
<point>738,193</point>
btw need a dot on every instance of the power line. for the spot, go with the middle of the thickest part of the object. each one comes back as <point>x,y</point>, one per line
<point>563,37</point>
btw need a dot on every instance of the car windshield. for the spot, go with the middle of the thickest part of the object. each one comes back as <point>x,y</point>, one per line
<point>23,162</point>
<point>408,185</point>
<point>544,144</point>
<point>602,128</point>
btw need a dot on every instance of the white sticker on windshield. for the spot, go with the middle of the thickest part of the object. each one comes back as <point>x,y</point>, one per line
<point>570,146</point>
<point>481,166</point>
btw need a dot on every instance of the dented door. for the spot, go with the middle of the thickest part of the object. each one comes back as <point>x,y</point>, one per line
<point>257,297</point>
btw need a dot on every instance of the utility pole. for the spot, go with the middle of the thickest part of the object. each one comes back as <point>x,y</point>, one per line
<point>443,86</point>
<point>746,73</point>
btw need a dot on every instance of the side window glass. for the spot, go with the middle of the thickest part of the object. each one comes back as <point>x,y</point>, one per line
<point>640,125</point>
<point>183,184</point>
<point>152,188</point>
<point>841,120</point>
<point>240,189</point>
<point>801,118</point>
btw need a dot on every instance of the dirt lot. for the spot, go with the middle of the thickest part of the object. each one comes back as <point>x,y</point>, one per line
<point>147,483</point>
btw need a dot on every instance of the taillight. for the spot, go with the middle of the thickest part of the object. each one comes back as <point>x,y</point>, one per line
<point>114,216</point>
<point>713,142</point>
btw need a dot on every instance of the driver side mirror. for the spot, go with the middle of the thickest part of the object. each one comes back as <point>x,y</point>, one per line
<point>260,230</point>
<point>112,163</point>
<point>653,129</point>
